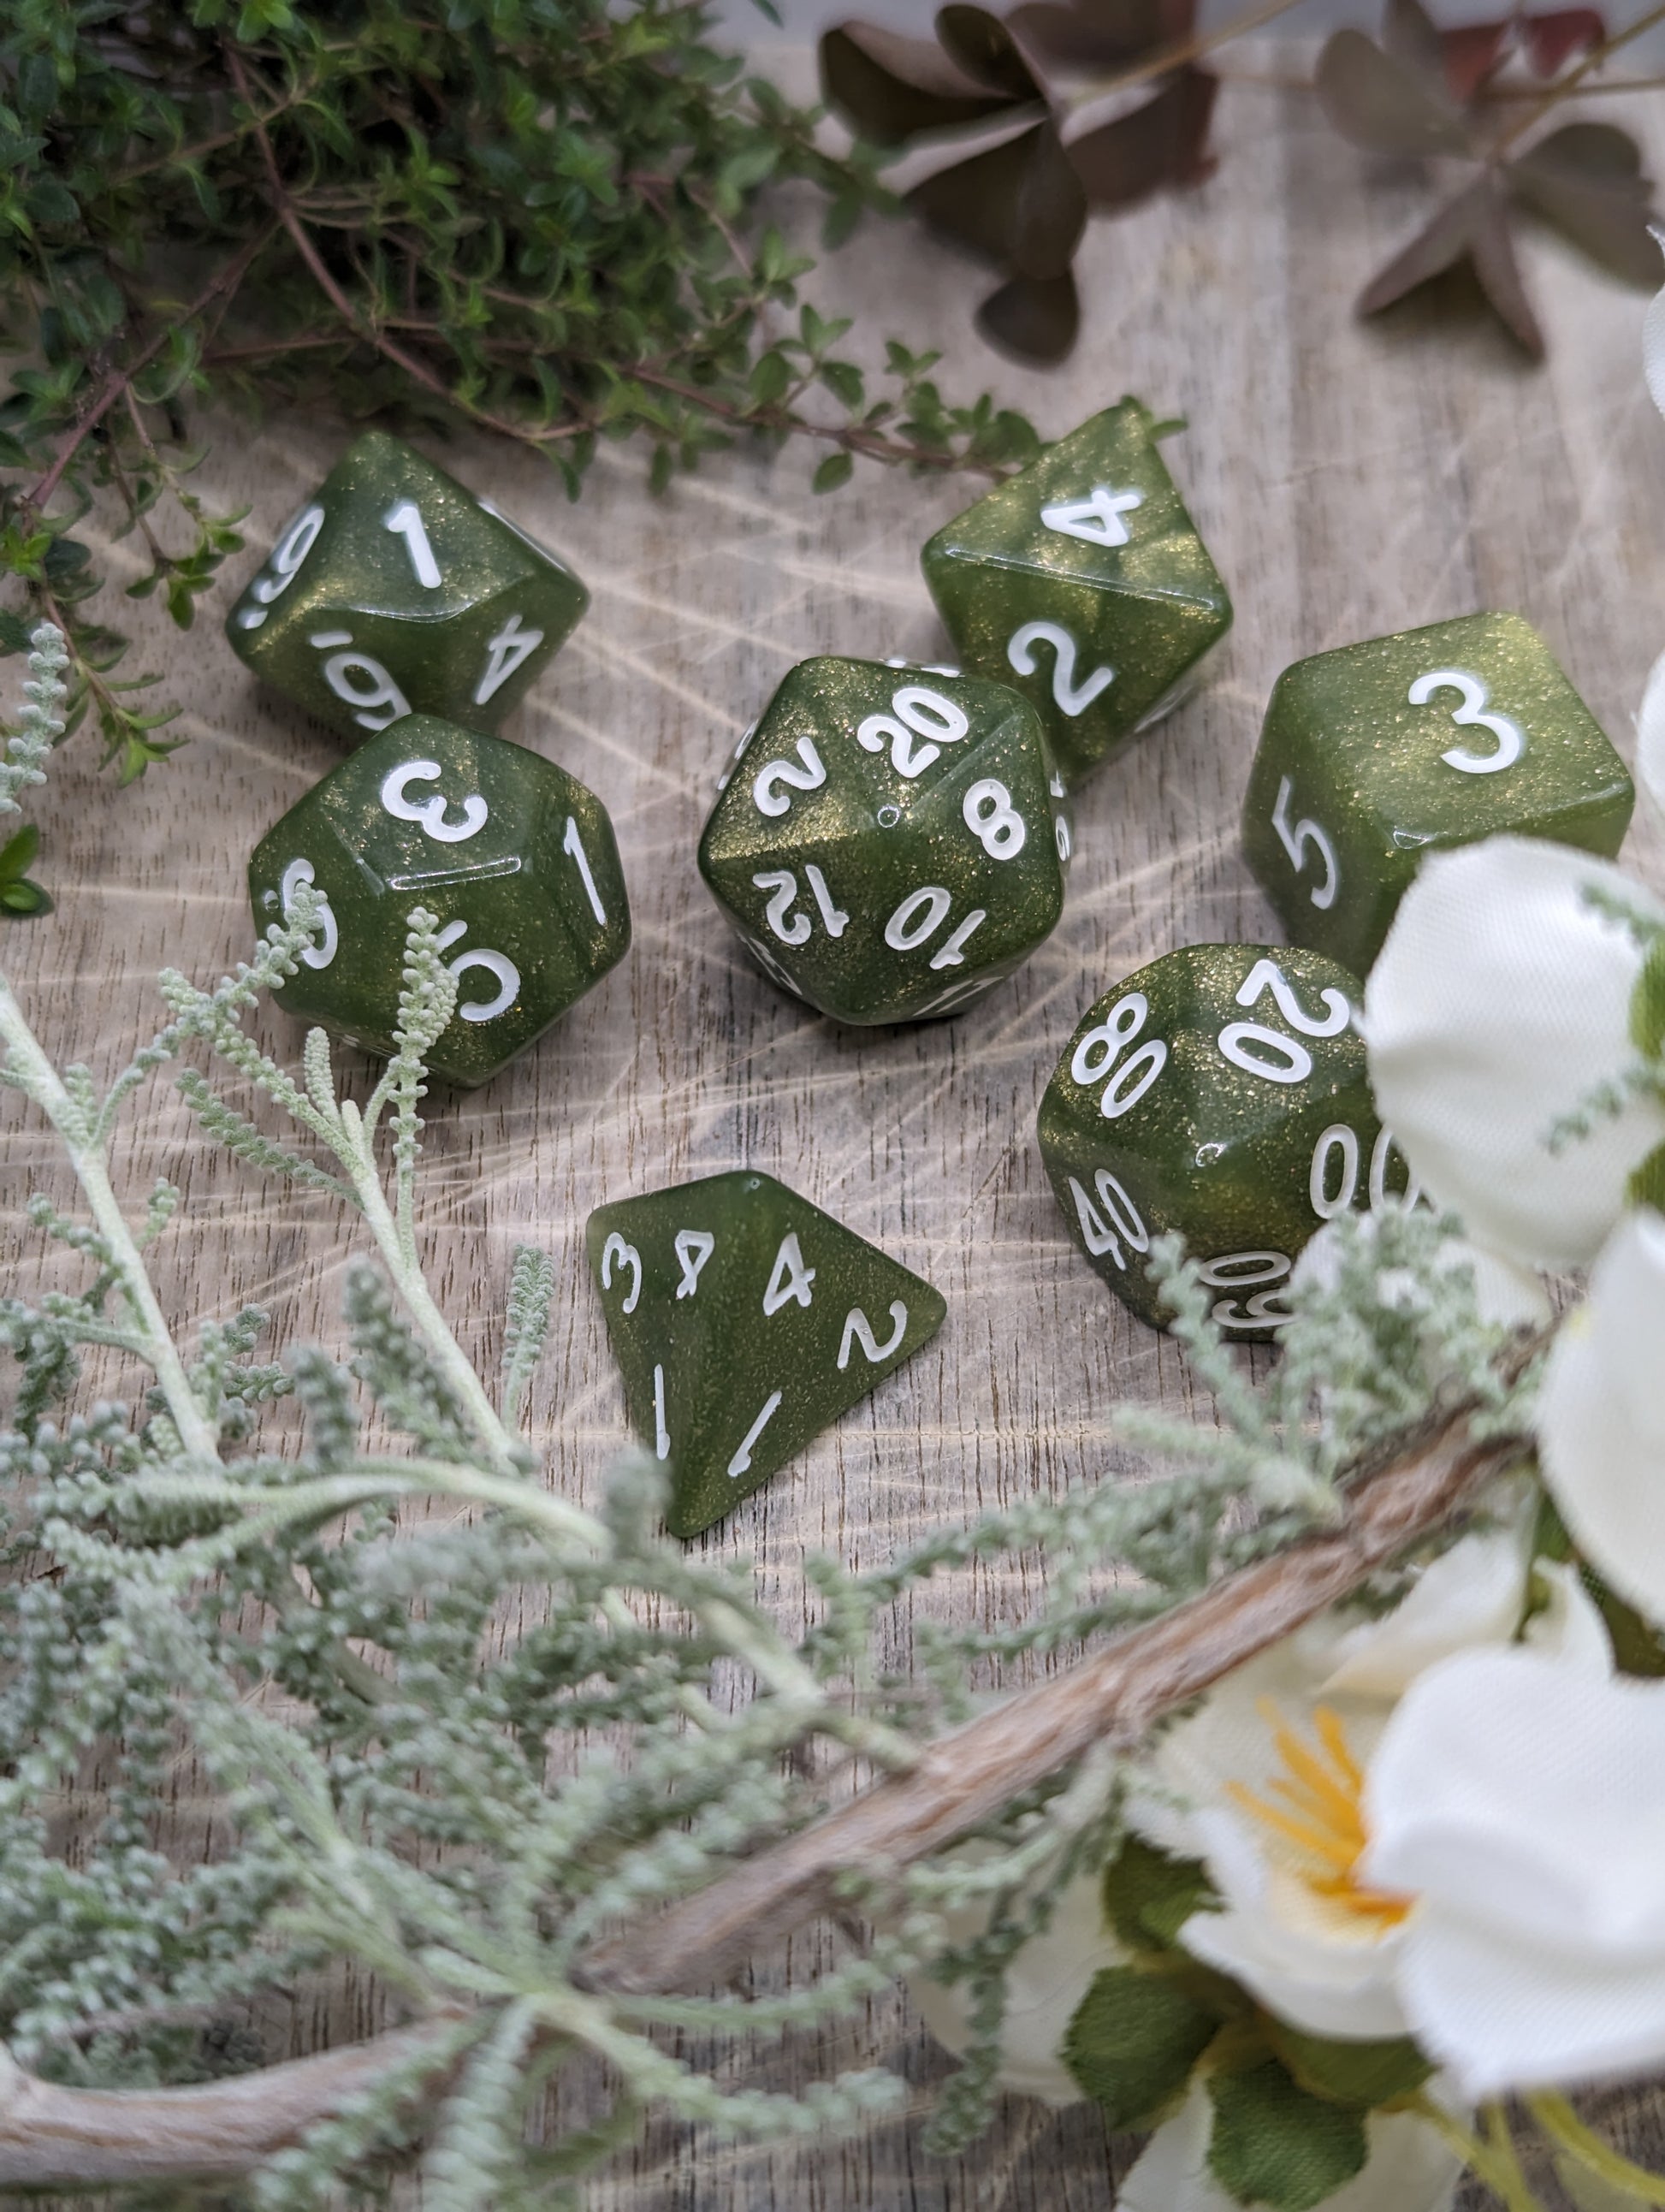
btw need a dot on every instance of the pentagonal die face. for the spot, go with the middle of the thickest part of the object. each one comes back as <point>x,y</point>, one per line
<point>1082,581</point>
<point>1376,754</point>
<point>1221,1093</point>
<point>889,840</point>
<point>394,591</point>
<point>515,858</point>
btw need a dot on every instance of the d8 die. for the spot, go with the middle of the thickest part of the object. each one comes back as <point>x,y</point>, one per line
<point>395,591</point>
<point>1221,1092</point>
<point>745,1320</point>
<point>1082,581</point>
<point>890,841</point>
<point>1373,755</point>
<point>514,856</point>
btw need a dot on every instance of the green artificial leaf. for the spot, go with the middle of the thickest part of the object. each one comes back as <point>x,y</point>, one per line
<point>1646,1185</point>
<point>834,470</point>
<point>22,898</point>
<point>1133,2042</point>
<point>1149,1897</point>
<point>1273,2144</point>
<point>1358,2074</point>
<point>17,854</point>
<point>13,632</point>
<point>1647,1018</point>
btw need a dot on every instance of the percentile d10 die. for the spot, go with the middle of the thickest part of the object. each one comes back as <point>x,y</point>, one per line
<point>745,1320</point>
<point>1221,1094</point>
<point>1375,754</point>
<point>890,841</point>
<point>1083,582</point>
<point>395,591</point>
<point>512,855</point>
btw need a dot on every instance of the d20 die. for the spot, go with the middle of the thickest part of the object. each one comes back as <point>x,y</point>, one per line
<point>1221,1093</point>
<point>514,856</point>
<point>395,591</point>
<point>1374,755</point>
<point>745,1320</point>
<point>1083,580</point>
<point>890,841</point>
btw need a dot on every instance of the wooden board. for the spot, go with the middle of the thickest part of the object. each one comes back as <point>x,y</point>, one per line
<point>1349,481</point>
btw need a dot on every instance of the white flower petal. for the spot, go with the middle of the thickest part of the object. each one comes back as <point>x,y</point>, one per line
<point>1409,2169</point>
<point>1602,1417</point>
<point>1500,1000</point>
<point>1653,348</point>
<point>1650,732</point>
<point>1569,1626</point>
<point>1521,1800</point>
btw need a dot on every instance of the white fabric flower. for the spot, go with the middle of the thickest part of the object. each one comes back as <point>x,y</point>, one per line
<point>1409,2169</point>
<point>1047,1982</point>
<point>1264,1782</point>
<point>1521,1800</point>
<point>1505,1296</point>
<point>1500,1002</point>
<point>1601,1416</point>
<point>1650,731</point>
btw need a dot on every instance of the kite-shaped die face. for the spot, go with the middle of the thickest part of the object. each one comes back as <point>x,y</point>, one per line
<point>745,1320</point>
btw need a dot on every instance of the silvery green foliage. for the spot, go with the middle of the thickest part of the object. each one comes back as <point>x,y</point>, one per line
<point>400,1781</point>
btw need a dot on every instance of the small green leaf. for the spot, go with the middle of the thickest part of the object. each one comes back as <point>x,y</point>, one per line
<point>14,630</point>
<point>1133,2042</point>
<point>1149,1897</point>
<point>1648,1003</point>
<point>17,854</point>
<point>769,379</point>
<point>1361,2074</point>
<point>23,897</point>
<point>1273,2144</point>
<point>844,380</point>
<point>1646,1185</point>
<point>833,471</point>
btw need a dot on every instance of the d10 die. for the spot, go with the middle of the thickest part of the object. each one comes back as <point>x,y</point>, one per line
<point>1373,755</point>
<point>1082,581</point>
<point>395,591</point>
<point>1221,1092</point>
<point>514,856</point>
<point>745,1320</point>
<point>890,841</point>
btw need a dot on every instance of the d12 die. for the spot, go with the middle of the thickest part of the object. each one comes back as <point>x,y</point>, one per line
<point>1221,1093</point>
<point>890,841</point>
<point>1372,755</point>
<point>514,856</point>
<point>395,591</point>
<point>745,1320</point>
<point>1082,581</point>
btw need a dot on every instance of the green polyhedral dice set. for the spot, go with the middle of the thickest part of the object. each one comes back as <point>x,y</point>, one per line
<point>890,841</point>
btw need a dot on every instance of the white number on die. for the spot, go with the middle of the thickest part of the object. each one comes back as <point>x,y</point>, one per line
<point>1339,1143</point>
<point>383,691</point>
<point>810,777</point>
<point>497,965</point>
<point>430,813</point>
<point>329,937</point>
<point>504,654</point>
<point>1240,1271</point>
<point>1095,1057</point>
<point>572,844</point>
<point>1069,697</point>
<point>993,820</point>
<point>404,519</point>
<point>1102,1233</point>
<point>1097,518</point>
<point>614,1252</point>
<point>1295,840</point>
<point>1471,715</point>
<point>1260,1050</point>
<point>284,566</point>
<point>919,918</point>
<point>794,928</point>
<point>858,1329</point>
<point>916,711</point>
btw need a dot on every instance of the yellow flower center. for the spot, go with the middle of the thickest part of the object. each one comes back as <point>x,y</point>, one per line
<point>1322,1814</point>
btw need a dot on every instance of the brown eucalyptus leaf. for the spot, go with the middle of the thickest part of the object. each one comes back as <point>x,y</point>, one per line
<point>1592,191</point>
<point>982,46</point>
<point>1020,204</point>
<point>1474,226</point>
<point>1471,52</point>
<point>888,88</point>
<point>1410,34</point>
<point>1036,318</point>
<point>1102,33</point>
<point>1381,104</point>
<point>1162,142</point>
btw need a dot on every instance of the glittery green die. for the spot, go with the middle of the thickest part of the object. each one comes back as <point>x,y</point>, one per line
<point>1082,581</point>
<point>1373,755</point>
<point>1221,1093</point>
<point>513,855</point>
<point>745,1320</point>
<point>394,592</point>
<point>889,840</point>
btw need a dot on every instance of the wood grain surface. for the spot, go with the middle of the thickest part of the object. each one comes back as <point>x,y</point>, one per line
<point>1348,480</point>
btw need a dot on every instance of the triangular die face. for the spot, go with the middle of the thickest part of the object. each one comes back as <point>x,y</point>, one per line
<point>754,1321</point>
<point>1099,507</point>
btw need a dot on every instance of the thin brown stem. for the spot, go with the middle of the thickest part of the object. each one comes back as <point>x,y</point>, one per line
<point>1183,51</point>
<point>1566,85</point>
